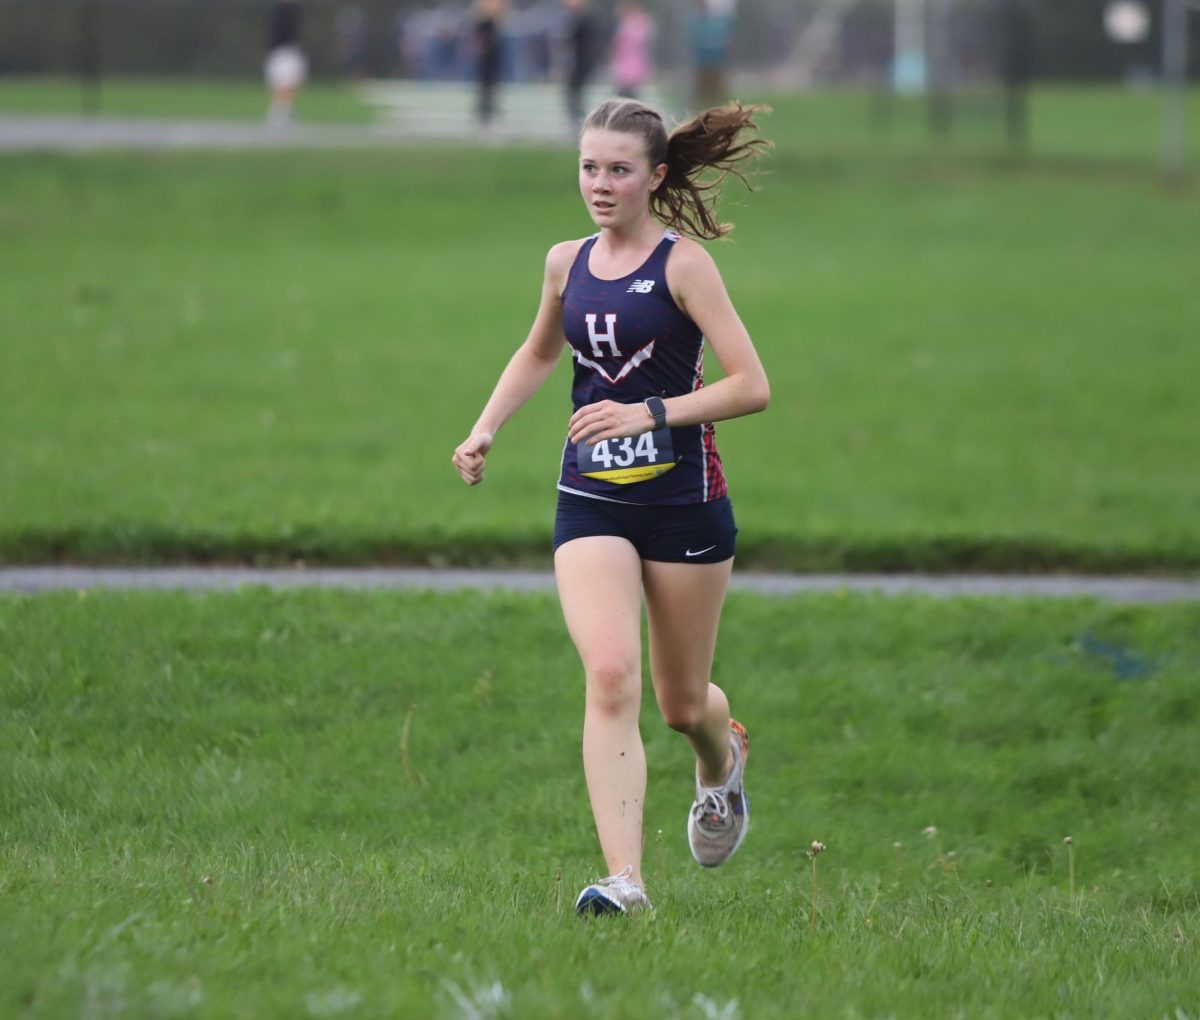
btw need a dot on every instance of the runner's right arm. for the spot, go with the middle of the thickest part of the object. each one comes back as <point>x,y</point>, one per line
<point>527,369</point>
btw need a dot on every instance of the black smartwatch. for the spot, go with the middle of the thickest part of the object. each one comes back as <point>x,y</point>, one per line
<point>658,411</point>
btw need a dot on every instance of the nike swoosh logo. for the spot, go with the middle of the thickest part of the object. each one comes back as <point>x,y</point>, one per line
<point>700,552</point>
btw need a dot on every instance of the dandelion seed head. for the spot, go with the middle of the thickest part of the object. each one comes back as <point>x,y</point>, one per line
<point>1068,840</point>
<point>816,848</point>
<point>930,831</point>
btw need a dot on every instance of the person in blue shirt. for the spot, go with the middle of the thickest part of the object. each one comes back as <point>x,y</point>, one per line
<point>643,505</point>
<point>710,32</point>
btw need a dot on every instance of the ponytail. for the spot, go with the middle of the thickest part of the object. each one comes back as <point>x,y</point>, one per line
<point>711,141</point>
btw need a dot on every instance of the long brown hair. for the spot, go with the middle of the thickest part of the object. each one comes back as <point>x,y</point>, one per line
<point>700,154</point>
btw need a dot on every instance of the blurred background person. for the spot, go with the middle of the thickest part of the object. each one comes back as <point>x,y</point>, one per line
<point>350,25</point>
<point>709,32</point>
<point>286,67</point>
<point>580,39</point>
<point>489,23</point>
<point>632,63</point>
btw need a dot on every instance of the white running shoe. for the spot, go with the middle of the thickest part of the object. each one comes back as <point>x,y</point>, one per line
<point>617,894</point>
<point>720,815</point>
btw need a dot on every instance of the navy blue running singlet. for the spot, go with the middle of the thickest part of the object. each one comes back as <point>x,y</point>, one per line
<point>630,341</point>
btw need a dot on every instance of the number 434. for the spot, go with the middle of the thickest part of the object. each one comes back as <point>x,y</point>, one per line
<point>626,451</point>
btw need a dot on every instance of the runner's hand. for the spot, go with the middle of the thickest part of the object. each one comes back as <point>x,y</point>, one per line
<point>468,458</point>
<point>608,420</point>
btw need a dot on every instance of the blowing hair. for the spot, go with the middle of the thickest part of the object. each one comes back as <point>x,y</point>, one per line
<point>700,155</point>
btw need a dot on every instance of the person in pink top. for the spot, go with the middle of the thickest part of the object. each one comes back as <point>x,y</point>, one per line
<point>632,48</point>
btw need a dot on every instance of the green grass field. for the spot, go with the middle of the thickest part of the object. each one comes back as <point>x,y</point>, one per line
<point>316,803</point>
<point>175,98</point>
<point>302,804</point>
<point>270,356</point>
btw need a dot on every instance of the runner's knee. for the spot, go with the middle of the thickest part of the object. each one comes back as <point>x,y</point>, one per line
<point>682,714</point>
<point>613,684</point>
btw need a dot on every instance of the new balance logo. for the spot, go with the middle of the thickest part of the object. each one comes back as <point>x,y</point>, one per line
<point>641,287</point>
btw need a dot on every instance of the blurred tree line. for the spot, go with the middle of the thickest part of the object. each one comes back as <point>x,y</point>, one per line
<point>228,37</point>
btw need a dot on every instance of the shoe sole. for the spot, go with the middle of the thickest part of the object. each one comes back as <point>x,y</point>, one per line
<point>593,903</point>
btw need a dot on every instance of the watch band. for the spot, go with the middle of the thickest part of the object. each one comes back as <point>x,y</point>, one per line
<point>658,411</point>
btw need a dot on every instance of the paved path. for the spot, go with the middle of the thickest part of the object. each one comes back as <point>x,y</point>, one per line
<point>86,134</point>
<point>31,580</point>
<point>20,133</point>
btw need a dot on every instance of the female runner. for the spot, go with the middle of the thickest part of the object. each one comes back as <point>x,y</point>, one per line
<point>642,500</point>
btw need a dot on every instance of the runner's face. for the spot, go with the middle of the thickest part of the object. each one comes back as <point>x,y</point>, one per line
<point>615,177</point>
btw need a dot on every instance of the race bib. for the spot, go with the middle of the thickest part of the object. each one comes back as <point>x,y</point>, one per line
<point>628,460</point>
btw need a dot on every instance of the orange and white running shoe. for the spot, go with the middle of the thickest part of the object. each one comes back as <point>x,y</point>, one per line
<point>720,815</point>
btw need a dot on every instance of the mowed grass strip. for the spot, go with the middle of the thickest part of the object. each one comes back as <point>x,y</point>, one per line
<point>270,356</point>
<point>265,804</point>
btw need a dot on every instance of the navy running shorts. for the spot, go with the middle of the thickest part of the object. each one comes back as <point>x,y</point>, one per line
<point>687,533</point>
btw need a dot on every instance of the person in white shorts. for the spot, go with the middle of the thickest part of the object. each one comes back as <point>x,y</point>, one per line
<point>286,67</point>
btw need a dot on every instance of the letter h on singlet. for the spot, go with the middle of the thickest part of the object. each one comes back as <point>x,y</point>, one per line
<point>608,337</point>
